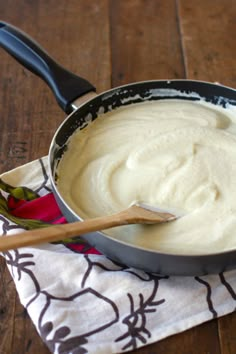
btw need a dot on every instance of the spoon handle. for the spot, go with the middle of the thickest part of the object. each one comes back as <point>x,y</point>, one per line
<point>62,231</point>
<point>133,215</point>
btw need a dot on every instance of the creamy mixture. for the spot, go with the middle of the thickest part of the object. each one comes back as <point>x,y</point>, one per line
<point>170,153</point>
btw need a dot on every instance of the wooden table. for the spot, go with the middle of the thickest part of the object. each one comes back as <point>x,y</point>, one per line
<point>110,43</point>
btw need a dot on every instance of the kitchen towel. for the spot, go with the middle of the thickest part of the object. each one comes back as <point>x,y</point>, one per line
<point>82,302</point>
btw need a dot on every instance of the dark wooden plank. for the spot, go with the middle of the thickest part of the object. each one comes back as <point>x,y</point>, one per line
<point>145,41</point>
<point>186,342</point>
<point>20,147</point>
<point>227,330</point>
<point>17,333</point>
<point>7,308</point>
<point>77,35</point>
<point>208,40</point>
<point>27,339</point>
<point>66,32</point>
<point>208,35</point>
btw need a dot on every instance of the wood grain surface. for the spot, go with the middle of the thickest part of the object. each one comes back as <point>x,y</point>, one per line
<point>110,43</point>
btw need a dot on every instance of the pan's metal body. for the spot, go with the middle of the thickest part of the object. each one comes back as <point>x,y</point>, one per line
<point>146,259</point>
<point>67,87</point>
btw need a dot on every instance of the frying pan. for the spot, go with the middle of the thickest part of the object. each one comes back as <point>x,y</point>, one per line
<point>67,88</point>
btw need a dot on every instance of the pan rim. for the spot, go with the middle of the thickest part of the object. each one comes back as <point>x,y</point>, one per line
<point>186,256</point>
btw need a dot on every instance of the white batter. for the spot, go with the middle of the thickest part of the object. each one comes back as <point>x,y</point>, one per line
<point>169,153</point>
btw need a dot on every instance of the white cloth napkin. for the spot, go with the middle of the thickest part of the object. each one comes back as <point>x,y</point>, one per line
<point>88,304</point>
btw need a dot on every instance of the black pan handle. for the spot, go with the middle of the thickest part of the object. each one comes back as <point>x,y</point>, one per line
<point>65,85</point>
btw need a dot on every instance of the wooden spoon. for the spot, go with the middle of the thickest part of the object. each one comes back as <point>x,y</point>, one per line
<point>136,214</point>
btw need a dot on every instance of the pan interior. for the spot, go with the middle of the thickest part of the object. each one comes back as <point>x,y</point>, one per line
<point>107,102</point>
